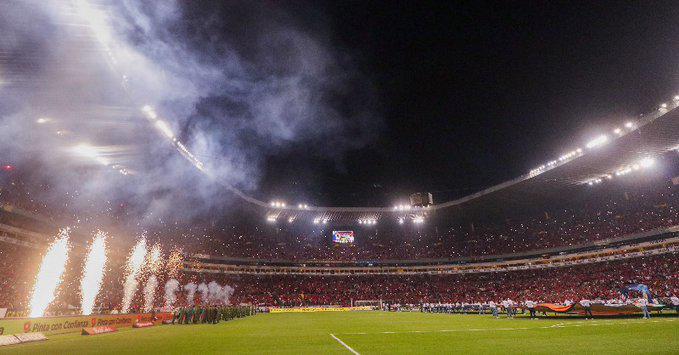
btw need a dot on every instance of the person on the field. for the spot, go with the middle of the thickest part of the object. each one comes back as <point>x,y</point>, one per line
<point>531,308</point>
<point>507,305</point>
<point>643,303</point>
<point>175,315</point>
<point>493,308</point>
<point>675,303</point>
<point>587,306</point>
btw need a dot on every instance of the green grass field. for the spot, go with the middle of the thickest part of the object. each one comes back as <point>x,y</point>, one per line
<point>379,333</point>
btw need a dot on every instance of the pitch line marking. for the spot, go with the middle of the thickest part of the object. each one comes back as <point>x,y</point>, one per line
<point>552,326</point>
<point>344,344</point>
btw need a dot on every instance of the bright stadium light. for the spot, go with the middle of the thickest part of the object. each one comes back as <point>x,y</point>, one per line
<point>271,219</point>
<point>401,220</point>
<point>663,106</point>
<point>291,219</point>
<point>629,124</point>
<point>676,98</point>
<point>418,220</point>
<point>646,162</point>
<point>85,150</point>
<point>165,129</point>
<point>617,131</point>
<point>598,141</point>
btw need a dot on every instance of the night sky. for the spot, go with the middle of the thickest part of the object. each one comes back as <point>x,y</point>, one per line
<point>472,94</point>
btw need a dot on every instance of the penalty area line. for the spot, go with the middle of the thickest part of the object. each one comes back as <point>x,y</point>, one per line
<point>345,344</point>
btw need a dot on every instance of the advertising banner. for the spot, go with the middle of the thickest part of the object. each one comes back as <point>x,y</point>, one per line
<point>318,309</point>
<point>67,324</point>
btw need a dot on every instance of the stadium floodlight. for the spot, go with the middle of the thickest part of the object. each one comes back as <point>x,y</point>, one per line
<point>663,106</point>
<point>401,220</point>
<point>676,98</point>
<point>273,204</point>
<point>271,219</point>
<point>317,220</point>
<point>598,141</point>
<point>86,150</point>
<point>165,129</point>
<point>617,131</point>
<point>291,219</point>
<point>629,124</point>
<point>418,220</point>
<point>647,162</point>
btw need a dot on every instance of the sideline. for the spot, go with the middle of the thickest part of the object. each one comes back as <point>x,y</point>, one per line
<point>344,344</point>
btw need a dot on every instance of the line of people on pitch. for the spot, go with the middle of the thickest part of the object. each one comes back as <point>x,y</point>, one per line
<point>509,307</point>
<point>197,315</point>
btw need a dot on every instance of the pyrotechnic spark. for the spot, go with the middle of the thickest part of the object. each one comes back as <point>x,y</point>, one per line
<point>135,262</point>
<point>93,273</point>
<point>150,293</point>
<point>154,262</point>
<point>50,275</point>
<point>174,263</point>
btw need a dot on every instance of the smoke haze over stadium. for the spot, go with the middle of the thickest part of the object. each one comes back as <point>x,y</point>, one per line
<point>330,103</point>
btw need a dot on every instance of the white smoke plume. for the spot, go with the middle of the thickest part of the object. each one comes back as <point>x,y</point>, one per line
<point>171,288</point>
<point>204,292</point>
<point>190,289</point>
<point>235,81</point>
<point>150,293</point>
<point>219,294</point>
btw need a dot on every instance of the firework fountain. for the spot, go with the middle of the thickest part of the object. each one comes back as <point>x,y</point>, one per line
<point>135,263</point>
<point>154,264</point>
<point>174,263</point>
<point>50,275</point>
<point>93,273</point>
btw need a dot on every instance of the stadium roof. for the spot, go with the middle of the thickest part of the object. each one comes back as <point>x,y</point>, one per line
<point>638,146</point>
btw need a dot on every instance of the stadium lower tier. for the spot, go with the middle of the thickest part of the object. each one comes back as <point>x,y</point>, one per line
<point>598,280</point>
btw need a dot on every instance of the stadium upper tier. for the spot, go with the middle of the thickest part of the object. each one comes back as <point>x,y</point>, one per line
<point>602,214</point>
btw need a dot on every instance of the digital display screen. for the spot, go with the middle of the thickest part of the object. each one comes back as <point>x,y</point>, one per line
<point>343,237</point>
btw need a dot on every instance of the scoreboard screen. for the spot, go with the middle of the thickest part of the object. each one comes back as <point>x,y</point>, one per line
<point>343,237</point>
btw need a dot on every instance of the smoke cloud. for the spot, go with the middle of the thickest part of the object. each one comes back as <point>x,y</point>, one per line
<point>171,288</point>
<point>235,82</point>
<point>190,289</point>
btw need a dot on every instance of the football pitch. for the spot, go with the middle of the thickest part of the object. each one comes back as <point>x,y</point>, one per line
<point>379,333</point>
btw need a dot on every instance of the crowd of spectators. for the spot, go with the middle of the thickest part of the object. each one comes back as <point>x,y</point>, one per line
<point>620,215</point>
<point>604,280</point>
<point>598,280</point>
